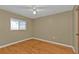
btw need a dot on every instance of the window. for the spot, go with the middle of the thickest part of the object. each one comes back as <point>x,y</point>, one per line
<point>17,24</point>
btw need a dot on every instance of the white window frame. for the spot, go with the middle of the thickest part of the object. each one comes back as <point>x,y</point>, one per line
<point>18,24</point>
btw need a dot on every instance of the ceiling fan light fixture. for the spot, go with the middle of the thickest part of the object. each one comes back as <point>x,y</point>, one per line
<point>34,12</point>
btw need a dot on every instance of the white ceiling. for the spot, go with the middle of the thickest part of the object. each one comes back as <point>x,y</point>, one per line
<point>42,10</point>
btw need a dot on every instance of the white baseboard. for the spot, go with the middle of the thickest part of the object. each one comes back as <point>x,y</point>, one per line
<point>14,42</point>
<point>9,44</point>
<point>52,42</point>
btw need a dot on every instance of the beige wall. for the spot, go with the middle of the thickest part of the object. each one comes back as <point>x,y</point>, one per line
<point>8,36</point>
<point>56,28</point>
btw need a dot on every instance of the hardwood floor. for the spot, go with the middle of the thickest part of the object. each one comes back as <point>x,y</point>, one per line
<point>35,47</point>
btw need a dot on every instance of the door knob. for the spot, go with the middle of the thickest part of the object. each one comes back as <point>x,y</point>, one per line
<point>77,34</point>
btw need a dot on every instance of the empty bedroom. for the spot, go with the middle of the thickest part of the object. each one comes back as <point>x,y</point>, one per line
<point>39,29</point>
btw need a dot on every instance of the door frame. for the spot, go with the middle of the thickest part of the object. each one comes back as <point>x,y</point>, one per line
<point>78,28</point>
<point>75,28</point>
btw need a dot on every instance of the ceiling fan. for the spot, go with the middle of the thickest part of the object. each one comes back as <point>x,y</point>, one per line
<point>33,8</point>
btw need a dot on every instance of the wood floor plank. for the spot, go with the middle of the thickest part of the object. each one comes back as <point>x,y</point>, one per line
<point>35,47</point>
